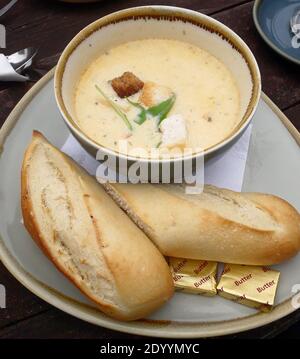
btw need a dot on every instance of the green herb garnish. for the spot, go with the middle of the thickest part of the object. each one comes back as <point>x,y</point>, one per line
<point>116,108</point>
<point>142,116</point>
<point>161,110</point>
<point>158,145</point>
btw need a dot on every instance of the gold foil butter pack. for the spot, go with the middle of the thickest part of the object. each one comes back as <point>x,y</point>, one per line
<point>249,285</point>
<point>194,276</point>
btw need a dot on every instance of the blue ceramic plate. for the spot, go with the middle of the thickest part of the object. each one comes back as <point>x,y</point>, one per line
<point>272,20</point>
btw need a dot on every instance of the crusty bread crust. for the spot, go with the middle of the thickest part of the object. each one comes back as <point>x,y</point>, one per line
<point>181,226</point>
<point>31,225</point>
<point>155,288</point>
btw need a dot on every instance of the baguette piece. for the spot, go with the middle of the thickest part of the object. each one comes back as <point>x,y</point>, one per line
<point>88,237</point>
<point>216,225</point>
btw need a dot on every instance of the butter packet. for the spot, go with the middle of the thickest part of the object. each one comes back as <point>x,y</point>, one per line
<point>249,285</point>
<point>194,276</point>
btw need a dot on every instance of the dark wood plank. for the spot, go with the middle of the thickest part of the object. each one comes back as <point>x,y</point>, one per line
<point>20,303</point>
<point>293,114</point>
<point>280,78</point>
<point>31,11</point>
<point>56,324</point>
<point>291,331</point>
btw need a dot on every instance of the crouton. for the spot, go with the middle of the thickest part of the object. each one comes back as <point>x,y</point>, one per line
<point>153,94</point>
<point>174,132</point>
<point>126,85</point>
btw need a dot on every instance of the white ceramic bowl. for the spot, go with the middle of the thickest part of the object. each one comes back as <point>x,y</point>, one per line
<point>157,22</point>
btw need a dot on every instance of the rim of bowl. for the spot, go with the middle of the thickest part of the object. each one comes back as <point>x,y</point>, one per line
<point>165,12</point>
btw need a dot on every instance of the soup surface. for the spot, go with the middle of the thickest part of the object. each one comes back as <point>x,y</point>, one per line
<point>205,93</point>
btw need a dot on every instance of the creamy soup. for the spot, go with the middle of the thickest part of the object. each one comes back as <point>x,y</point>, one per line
<point>206,98</point>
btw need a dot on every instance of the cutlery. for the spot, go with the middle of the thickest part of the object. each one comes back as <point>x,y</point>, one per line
<point>22,59</point>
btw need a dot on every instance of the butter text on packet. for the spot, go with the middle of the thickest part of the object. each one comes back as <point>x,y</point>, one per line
<point>194,276</point>
<point>249,285</point>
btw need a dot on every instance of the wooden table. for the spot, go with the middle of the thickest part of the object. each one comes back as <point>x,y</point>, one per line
<point>49,26</point>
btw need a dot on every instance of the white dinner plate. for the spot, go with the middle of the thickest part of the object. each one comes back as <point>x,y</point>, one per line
<point>273,166</point>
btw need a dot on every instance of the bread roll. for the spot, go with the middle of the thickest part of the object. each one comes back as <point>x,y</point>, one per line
<point>88,237</point>
<point>217,225</point>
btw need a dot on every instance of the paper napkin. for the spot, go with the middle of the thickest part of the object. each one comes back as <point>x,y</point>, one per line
<point>224,170</point>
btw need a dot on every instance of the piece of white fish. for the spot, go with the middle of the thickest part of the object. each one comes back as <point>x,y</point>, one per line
<point>174,132</point>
